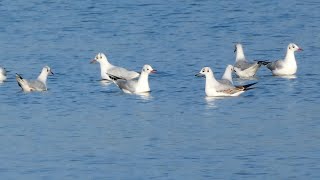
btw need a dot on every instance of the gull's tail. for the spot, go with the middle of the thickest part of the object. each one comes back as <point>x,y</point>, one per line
<point>262,62</point>
<point>248,86</point>
<point>22,83</point>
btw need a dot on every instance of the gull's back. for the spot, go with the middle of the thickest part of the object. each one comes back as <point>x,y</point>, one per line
<point>242,64</point>
<point>275,65</point>
<point>128,86</point>
<point>37,85</point>
<point>123,73</point>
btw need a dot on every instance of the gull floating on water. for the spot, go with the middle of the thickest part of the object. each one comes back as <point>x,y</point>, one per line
<point>3,74</point>
<point>227,75</point>
<point>216,88</point>
<point>35,85</point>
<point>109,69</point>
<point>242,67</point>
<point>285,67</point>
<point>140,85</point>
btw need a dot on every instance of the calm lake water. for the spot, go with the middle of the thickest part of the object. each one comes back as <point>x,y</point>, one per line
<point>84,129</point>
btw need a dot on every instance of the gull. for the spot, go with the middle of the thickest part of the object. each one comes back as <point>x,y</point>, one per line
<point>140,85</point>
<point>35,85</point>
<point>227,75</point>
<point>3,74</point>
<point>109,69</point>
<point>285,67</point>
<point>216,88</point>
<point>242,67</point>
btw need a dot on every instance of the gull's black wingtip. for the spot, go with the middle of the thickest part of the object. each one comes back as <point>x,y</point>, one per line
<point>248,86</point>
<point>18,76</point>
<point>263,62</point>
<point>113,77</point>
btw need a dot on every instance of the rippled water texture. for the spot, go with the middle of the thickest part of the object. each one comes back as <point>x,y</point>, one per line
<point>85,129</point>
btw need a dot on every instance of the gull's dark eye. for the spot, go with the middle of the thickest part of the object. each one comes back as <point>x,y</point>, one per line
<point>208,70</point>
<point>147,69</point>
<point>293,46</point>
<point>202,70</point>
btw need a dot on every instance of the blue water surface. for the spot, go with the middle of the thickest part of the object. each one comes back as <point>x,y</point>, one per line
<point>82,128</point>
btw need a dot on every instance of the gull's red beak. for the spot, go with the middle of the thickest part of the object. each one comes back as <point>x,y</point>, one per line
<point>93,61</point>
<point>153,71</point>
<point>300,49</point>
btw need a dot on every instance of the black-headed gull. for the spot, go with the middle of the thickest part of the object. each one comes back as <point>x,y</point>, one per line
<point>285,67</point>
<point>3,74</point>
<point>227,75</point>
<point>242,67</point>
<point>140,85</point>
<point>35,85</point>
<point>216,88</point>
<point>107,68</point>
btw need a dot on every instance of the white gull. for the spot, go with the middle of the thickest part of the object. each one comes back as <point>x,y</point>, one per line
<point>216,88</point>
<point>285,67</point>
<point>35,85</point>
<point>107,68</point>
<point>140,85</point>
<point>242,67</point>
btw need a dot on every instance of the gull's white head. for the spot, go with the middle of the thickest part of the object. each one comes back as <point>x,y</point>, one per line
<point>204,72</point>
<point>3,74</point>
<point>238,47</point>
<point>3,71</point>
<point>99,58</point>
<point>46,70</point>
<point>293,47</point>
<point>239,52</point>
<point>230,68</point>
<point>148,69</point>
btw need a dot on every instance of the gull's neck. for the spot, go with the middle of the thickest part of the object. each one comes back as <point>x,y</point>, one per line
<point>227,74</point>
<point>104,67</point>
<point>290,57</point>
<point>105,63</point>
<point>240,54</point>
<point>43,77</point>
<point>211,81</point>
<point>143,83</point>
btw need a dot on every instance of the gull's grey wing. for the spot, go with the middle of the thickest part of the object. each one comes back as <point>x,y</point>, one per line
<point>244,65</point>
<point>123,73</point>
<point>236,89</point>
<point>223,86</point>
<point>37,85</point>
<point>127,85</point>
<point>275,65</point>
<point>231,91</point>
